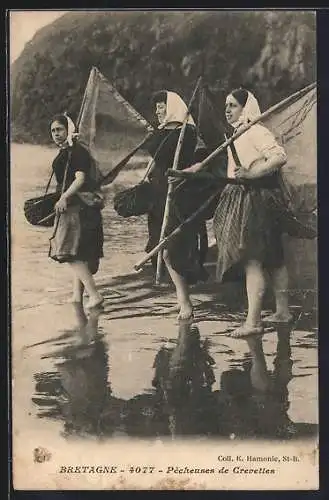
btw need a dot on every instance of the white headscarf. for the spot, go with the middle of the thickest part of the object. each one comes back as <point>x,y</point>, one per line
<point>250,111</point>
<point>176,110</point>
<point>70,130</point>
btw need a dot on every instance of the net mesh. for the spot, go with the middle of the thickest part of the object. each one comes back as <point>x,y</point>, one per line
<point>108,125</point>
<point>295,128</point>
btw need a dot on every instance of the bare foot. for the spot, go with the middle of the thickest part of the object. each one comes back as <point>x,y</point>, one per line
<point>246,330</point>
<point>278,319</point>
<point>95,302</point>
<point>186,311</point>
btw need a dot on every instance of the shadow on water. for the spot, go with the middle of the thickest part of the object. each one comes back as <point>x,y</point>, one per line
<point>249,401</point>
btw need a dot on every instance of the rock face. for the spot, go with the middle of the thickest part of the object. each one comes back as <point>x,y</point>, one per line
<point>273,53</point>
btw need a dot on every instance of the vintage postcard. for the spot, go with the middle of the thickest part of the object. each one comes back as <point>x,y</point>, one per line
<point>163,229</point>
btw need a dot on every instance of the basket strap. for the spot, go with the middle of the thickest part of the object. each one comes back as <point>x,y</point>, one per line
<point>48,184</point>
<point>151,163</point>
<point>149,168</point>
<point>65,174</point>
<point>66,170</point>
<point>234,153</point>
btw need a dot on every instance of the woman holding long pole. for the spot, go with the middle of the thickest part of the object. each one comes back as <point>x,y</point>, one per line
<point>181,258</point>
<point>246,225</point>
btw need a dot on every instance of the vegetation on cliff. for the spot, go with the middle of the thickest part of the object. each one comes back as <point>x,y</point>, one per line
<point>270,52</point>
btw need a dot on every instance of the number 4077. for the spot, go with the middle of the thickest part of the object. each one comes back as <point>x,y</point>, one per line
<point>141,470</point>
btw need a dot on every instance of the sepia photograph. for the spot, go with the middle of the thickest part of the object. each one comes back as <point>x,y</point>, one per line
<point>163,249</point>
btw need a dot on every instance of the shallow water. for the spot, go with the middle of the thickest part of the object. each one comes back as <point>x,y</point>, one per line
<point>99,379</point>
<point>30,170</point>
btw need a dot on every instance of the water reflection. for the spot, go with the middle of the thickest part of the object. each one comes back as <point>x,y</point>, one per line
<point>248,400</point>
<point>251,401</point>
<point>78,392</point>
<point>255,400</point>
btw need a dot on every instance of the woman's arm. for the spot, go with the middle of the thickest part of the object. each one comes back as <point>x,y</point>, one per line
<point>78,182</point>
<point>258,169</point>
<point>262,168</point>
<point>194,168</point>
<point>76,185</point>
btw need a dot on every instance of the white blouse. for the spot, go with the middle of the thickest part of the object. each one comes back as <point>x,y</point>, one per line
<point>257,143</point>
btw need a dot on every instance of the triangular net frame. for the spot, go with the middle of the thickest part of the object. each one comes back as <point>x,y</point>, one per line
<point>108,125</point>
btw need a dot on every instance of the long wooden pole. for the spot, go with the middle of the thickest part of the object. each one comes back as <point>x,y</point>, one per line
<point>162,243</point>
<point>108,178</point>
<point>90,78</point>
<point>171,186</point>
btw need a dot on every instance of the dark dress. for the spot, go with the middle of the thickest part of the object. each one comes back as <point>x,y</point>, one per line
<point>78,232</point>
<point>184,249</point>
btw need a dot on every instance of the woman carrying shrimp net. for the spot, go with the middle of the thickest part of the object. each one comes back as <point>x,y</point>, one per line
<point>246,226</point>
<point>78,231</point>
<point>182,257</point>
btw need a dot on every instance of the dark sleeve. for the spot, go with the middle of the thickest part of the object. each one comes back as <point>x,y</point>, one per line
<point>162,149</point>
<point>81,160</point>
<point>168,139</point>
<point>166,153</point>
<point>154,141</point>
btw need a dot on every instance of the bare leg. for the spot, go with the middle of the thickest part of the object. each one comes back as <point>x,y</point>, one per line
<point>80,317</point>
<point>78,290</point>
<point>183,297</point>
<point>82,272</point>
<point>78,286</point>
<point>280,282</point>
<point>255,284</point>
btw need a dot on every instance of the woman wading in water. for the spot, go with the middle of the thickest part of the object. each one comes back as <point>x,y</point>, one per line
<point>246,222</point>
<point>182,257</point>
<point>78,231</point>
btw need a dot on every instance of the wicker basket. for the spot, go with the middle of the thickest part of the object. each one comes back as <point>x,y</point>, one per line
<point>134,201</point>
<point>37,209</point>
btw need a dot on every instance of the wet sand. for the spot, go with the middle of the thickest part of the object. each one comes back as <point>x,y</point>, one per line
<point>137,321</point>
